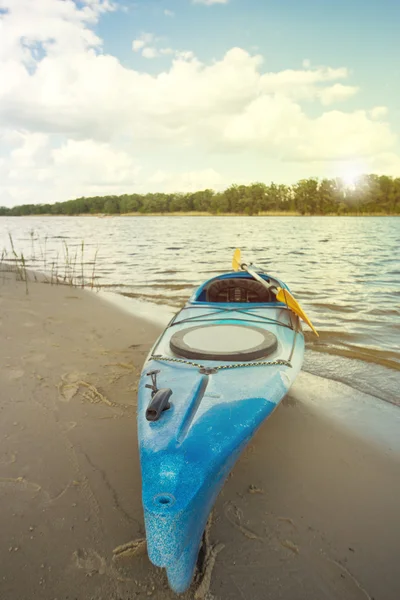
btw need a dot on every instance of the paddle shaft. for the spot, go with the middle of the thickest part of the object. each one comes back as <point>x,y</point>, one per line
<point>258,278</point>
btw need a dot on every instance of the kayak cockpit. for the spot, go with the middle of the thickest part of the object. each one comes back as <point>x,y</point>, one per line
<point>236,288</point>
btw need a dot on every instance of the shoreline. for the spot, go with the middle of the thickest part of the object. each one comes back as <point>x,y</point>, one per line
<point>207,214</point>
<point>311,507</point>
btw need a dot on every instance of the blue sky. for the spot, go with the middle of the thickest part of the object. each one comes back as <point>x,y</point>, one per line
<point>362,35</point>
<point>177,95</point>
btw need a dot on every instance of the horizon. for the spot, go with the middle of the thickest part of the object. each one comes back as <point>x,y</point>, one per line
<point>99,97</point>
<point>370,194</point>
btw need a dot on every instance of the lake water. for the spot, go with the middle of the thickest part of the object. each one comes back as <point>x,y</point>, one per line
<point>345,272</point>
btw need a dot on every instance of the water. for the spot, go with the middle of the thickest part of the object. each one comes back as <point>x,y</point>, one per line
<point>344,271</point>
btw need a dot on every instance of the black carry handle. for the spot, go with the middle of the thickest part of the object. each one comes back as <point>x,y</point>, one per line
<point>159,403</point>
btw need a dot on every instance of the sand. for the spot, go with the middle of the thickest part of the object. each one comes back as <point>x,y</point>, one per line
<point>309,512</point>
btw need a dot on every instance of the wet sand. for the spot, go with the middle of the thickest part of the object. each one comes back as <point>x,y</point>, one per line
<point>308,512</point>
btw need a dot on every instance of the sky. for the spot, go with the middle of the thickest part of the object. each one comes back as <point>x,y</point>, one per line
<point>103,97</point>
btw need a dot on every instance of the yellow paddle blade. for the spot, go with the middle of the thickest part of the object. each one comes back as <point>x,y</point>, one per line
<point>286,297</point>
<point>236,260</point>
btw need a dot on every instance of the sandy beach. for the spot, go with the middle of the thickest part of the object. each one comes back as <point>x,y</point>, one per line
<point>309,512</point>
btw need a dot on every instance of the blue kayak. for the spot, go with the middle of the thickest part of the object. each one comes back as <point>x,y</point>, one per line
<point>220,368</point>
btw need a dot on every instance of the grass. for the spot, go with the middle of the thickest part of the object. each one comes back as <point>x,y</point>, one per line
<point>272,213</point>
<point>68,267</point>
<point>18,262</point>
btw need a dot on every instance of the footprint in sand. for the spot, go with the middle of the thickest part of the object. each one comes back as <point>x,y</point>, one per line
<point>72,383</point>
<point>94,564</point>
<point>20,483</point>
<point>8,460</point>
<point>90,561</point>
<point>15,374</point>
<point>69,385</point>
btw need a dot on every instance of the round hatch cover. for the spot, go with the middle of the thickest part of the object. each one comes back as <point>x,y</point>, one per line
<point>223,342</point>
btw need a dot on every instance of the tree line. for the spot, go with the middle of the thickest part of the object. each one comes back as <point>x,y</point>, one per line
<point>370,194</point>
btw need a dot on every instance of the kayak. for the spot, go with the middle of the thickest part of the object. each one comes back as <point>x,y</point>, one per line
<point>219,369</point>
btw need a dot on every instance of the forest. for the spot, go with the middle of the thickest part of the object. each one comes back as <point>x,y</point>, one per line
<point>372,194</point>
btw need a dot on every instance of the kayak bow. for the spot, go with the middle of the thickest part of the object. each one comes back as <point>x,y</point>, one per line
<point>220,368</point>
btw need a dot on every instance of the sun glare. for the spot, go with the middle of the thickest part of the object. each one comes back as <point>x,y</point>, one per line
<point>350,176</point>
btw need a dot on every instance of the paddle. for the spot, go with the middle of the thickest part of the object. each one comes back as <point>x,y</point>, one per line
<point>282,295</point>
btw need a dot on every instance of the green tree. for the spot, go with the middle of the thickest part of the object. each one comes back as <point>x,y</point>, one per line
<point>327,197</point>
<point>202,201</point>
<point>111,206</point>
<point>306,196</point>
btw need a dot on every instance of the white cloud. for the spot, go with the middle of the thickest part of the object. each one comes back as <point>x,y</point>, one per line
<point>277,125</point>
<point>71,114</point>
<point>55,26</point>
<point>378,112</point>
<point>336,134</point>
<point>167,51</point>
<point>337,93</point>
<point>95,163</point>
<point>145,45</point>
<point>169,13</point>
<point>185,55</point>
<point>137,45</point>
<point>36,171</point>
<point>31,147</point>
<point>69,97</point>
<point>143,40</point>
<point>300,83</point>
<point>150,52</point>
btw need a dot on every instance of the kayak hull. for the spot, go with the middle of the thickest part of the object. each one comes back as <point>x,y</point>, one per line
<point>187,454</point>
